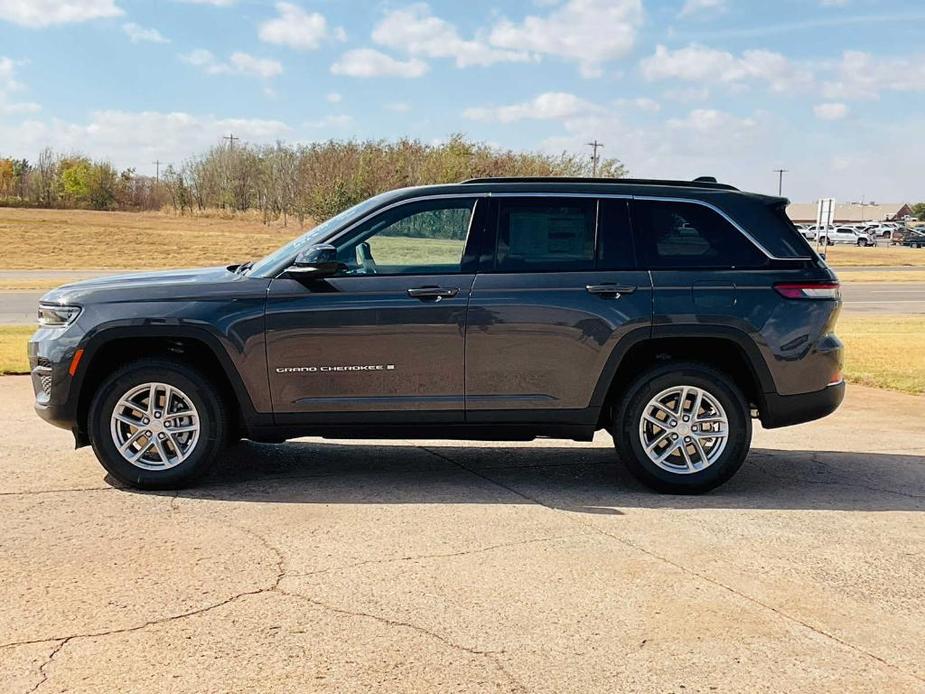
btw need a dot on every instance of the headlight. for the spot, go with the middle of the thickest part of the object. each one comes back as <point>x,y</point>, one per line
<point>57,316</point>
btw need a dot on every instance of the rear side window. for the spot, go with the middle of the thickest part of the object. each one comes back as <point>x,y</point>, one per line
<point>688,235</point>
<point>552,235</point>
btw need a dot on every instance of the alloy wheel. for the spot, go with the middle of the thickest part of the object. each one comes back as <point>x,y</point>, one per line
<point>684,429</point>
<point>155,426</point>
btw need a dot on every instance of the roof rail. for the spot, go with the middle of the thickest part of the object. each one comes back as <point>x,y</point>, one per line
<point>702,182</point>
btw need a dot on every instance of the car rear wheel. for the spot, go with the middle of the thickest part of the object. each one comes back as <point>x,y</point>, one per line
<point>157,424</point>
<point>682,428</point>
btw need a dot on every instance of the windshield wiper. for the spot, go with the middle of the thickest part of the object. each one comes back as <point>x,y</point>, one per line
<point>244,267</point>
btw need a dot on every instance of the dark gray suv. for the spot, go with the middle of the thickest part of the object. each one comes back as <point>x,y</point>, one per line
<point>669,313</point>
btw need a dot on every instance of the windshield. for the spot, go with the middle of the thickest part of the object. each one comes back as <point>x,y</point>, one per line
<point>270,263</point>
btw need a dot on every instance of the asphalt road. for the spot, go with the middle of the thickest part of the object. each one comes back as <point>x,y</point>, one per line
<point>896,298</point>
<point>436,566</point>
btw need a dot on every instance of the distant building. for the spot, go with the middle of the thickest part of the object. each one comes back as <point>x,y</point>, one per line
<point>851,212</point>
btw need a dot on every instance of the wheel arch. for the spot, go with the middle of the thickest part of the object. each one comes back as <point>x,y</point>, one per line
<point>110,348</point>
<point>725,349</point>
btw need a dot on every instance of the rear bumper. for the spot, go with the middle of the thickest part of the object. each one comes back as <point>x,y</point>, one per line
<point>786,410</point>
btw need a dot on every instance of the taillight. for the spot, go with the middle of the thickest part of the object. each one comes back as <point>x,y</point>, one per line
<point>808,290</point>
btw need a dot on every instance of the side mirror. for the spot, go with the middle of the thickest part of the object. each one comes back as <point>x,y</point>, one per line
<point>316,262</point>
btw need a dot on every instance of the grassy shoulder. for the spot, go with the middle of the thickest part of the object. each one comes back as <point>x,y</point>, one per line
<point>881,351</point>
<point>885,351</point>
<point>13,339</point>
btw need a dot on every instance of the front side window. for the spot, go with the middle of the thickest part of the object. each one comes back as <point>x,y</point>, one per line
<point>689,235</point>
<point>427,237</point>
<point>554,235</point>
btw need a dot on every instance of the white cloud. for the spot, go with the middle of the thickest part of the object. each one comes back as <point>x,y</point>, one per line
<point>708,120</point>
<point>830,111</point>
<point>216,3</point>
<point>398,107</point>
<point>341,120</point>
<point>41,13</point>
<point>8,84</point>
<point>589,32</point>
<point>696,63</point>
<point>833,3</point>
<point>333,98</point>
<point>415,30</point>
<point>139,34</point>
<point>238,64</point>
<point>137,138</point>
<point>643,103</point>
<point>696,6</point>
<point>861,75</point>
<point>368,62</point>
<point>296,28</point>
<point>547,106</point>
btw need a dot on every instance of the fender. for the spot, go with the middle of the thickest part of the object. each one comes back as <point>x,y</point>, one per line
<point>759,368</point>
<point>107,333</point>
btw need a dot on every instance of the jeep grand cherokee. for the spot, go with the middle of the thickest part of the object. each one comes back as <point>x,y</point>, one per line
<point>669,313</point>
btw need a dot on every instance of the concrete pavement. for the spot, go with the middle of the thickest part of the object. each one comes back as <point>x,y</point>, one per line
<point>437,566</point>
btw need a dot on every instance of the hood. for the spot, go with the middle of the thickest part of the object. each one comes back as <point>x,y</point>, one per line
<point>163,284</point>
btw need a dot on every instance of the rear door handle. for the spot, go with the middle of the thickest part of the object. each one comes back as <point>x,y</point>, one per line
<point>433,293</point>
<point>610,290</point>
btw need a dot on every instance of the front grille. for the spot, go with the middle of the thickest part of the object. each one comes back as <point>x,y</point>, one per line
<point>43,362</point>
<point>45,380</point>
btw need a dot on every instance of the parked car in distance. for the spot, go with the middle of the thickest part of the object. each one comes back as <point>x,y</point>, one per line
<point>668,313</point>
<point>914,239</point>
<point>847,235</point>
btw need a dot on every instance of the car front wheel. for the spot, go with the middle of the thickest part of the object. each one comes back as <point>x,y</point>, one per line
<point>157,424</point>
<point>683,428</point>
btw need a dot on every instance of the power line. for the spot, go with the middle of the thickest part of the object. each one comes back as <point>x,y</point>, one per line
<point>780,180</point>
<point>157,170</point>
<point>231,140</point>
<point>595,145</point>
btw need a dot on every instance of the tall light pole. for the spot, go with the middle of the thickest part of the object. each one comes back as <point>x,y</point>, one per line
<point>595,145</point>
<point>780,180</point>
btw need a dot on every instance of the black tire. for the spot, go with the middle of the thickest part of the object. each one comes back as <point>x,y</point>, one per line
<point>862,242</point>
<point>824,241</point>
<point>204,395</point>
<point>628,414</point>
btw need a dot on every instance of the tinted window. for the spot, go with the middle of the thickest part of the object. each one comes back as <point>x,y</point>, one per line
<point>536,235</point>
<point>687,235</point>
<point>615,242</point>
<point>426,237</point>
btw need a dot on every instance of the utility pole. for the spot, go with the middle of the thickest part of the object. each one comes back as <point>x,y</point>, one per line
<point>780,180</point>
<point>231,139</point>
<point>595,145</point>
<point>157,171</point>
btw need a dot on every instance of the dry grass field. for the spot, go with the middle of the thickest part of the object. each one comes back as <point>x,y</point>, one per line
<point>85,240</point>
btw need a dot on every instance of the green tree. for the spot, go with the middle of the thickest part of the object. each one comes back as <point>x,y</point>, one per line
<point>76,179</point>
<point>918,211</point>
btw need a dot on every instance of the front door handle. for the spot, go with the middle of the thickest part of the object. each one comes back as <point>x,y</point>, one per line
<point>433,293</point>
<point>610,290</point>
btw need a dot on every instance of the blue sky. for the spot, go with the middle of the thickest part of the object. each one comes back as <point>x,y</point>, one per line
<point>832,90</point>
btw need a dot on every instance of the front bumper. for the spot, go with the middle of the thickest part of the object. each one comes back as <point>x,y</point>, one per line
<point>786,410</point>
<point>50,353</point>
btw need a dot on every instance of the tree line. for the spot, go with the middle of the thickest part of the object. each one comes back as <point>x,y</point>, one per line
<point>301,182</point>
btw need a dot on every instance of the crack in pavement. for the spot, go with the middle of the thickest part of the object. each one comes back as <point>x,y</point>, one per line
<point>33,492</point>
<point>490,655</point>
<point>419,557</point>
<point>681,567</point>
<point>274,588</point>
